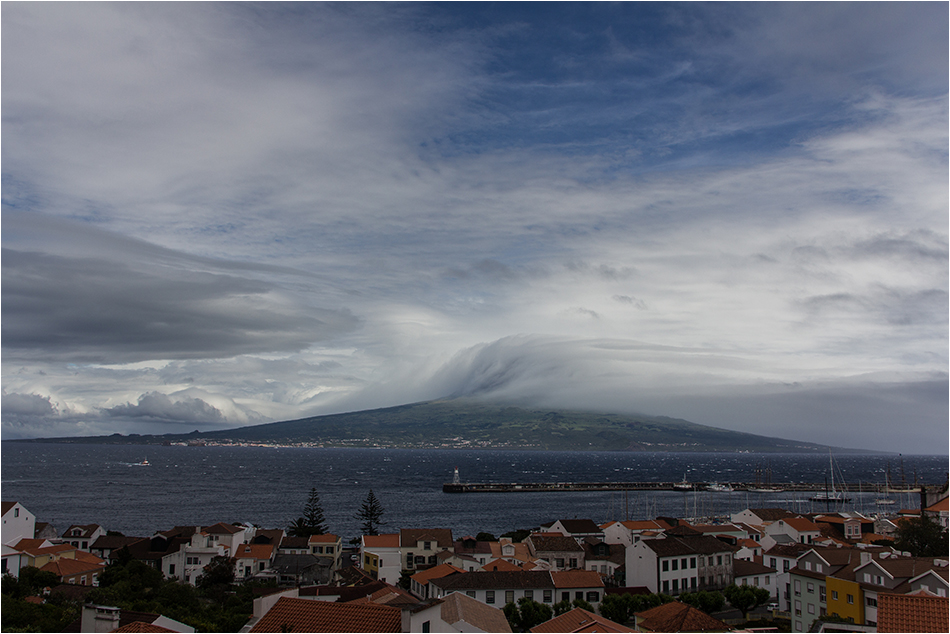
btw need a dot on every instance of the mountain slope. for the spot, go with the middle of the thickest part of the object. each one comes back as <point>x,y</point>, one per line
<point>471,423</point>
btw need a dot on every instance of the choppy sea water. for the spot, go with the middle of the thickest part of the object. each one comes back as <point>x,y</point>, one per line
<point>77,484</point>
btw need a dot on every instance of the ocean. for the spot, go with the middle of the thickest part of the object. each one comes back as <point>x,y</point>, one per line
<point>68,484</point>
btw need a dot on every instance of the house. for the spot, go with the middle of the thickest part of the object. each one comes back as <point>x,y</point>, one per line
<point>500,564</point>
<point>39,557</point>
<point>189,561</point>
<point>497,588</point>
<point>250,559</point>
<point>512,552</point>
<point>579,620</point>
<point>782,558</point>
<point>456,612</point>
<point>795,529</point>
<point>83,535</point>
<point>578,584</point>
<point>854,590</point>
<point>230,536</point>
<point>602,557</point>
<point>44,530</point>
<point>677,617</point>
<point>683,561</point>
<point>561,552</point>
<point>18,523</point>
<point>81,571</point>
<point>294,545</point>
<point>761,516</point>
<point>630,532</point>
<point>102,618</point>
<point>419,547</point>
<point>850,527</point>
<point>939,512</point>
<point>419,582</point>
<point>303,615</point>
<point>578,529</point>
<point>106,546</point>
<point>810,594</point>
<point>300,570</point>
<point>380,556</point>
<point>749,549</point>
<point>751,573</point>
<point>10,561</point>
<point>472,553</point>
<point>328,546</point>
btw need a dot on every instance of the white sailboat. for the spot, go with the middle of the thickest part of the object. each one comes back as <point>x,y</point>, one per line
<point>832,495</point>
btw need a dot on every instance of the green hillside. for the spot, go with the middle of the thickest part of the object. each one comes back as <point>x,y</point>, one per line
<point>461,423</point>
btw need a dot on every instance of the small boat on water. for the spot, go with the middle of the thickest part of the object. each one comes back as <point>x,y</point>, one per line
<point>683,486</point>
<point>144,463</point>
<point>719,488</point>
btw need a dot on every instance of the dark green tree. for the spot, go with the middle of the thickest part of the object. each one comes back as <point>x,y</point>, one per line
<point>485,537</point>
<point>526,614</point>
<point>370,514</point>
<point>746,598</point>
<point>312,522</point>
<point>922,537</point>
<point>619,608</point>
<point>704,600</point>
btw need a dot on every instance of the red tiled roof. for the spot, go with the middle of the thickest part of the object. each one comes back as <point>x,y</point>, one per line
<point>221,527</point>
<point>801,524</point>
<point>304,615</point>
<point>459,607</point>
<point>381,541</point>
<point>577,579</point>
<point>410,536</point>
<point>48,550</point>
<point>70,567</point>
<point>436,572</point>
<point>500,564</point>
<point>678,617</point>
<point>579,620</point>
<point>942,505</point>
<point>912,613</point>
<point>28,542</point>
<point>327,538</point>
<point>254,551</point>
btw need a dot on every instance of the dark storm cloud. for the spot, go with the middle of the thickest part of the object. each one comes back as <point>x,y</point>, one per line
<point>155,405</point>
<point>100,310</point>
<point>14,404</point>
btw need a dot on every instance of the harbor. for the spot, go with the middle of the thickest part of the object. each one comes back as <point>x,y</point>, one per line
<point>537,487</point>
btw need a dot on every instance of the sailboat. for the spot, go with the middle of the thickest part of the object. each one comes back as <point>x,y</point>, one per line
<point>885,501</point>
<point>832,495</point>
<point>683,486</point>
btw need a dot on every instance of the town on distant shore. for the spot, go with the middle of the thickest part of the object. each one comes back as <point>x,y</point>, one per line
<point>759,568</point>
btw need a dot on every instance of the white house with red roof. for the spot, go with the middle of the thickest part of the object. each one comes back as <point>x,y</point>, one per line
<point>82,536</point>
<point>630,532</point>
<point>380,557</point>
<point>791,529</point>
<point>18,523</point>
<point>327,546</point>
<point>251,559</point>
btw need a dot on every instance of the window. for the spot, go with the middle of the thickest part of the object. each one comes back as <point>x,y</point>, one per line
<point>692,583</point>
<point>683,563</point>
<point>692,562</point>
<point>818,568</point>
<point>785,566</point>
<point>807,565</point>
<point>470,593</point>
<point>676,585</point>
<point>810,588</point>
<point>851,598</point>
<point>427,546</point>
<point>718,560</point>
<point>171,569</point>
<point>834,595</point>
<point>420,560</point>
<point>675,565</point>
<point>871,602</point>
<point>798,588</point>
<point>755,581</point>
<point>573,562</point>
<point>16,512</point>
<point>811,608</point>
<point>565,596</point>
<point>547,597</point>
<point>666,586</point>
<point>772,563</point>
<point>821,594</point>
<point>666,565</point>
<point>559,563</point>
<point>529,594</point>
<point>425,626</point>
<point>366,560</point>
<point>727,559</point>
<point>767,579</point>
<point>593,597</point>
<point>579,595</point>
<point>509,596</point>
<point>798,608</point>
<point>489,596</point>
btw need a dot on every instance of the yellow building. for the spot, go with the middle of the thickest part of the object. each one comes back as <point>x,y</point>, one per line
<point>845,599</point>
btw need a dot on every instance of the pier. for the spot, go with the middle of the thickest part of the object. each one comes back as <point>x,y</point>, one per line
<point>537,487</point>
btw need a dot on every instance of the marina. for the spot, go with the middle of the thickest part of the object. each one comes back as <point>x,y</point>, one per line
<point>538,487</point>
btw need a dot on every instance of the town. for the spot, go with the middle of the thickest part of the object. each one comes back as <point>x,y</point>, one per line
<point>762,569</point>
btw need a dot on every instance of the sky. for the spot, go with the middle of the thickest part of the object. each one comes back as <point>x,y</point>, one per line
<point>218,214</point>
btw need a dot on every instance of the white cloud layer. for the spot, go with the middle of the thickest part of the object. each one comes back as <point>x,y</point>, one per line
<point>221,214</point>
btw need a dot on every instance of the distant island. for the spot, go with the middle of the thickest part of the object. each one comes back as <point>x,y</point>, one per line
<point>472,424</point>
